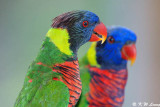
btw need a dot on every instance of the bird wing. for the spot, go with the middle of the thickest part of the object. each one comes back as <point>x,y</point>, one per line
<point>47,93</point>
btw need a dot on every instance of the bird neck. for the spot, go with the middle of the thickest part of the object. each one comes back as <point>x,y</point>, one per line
<point>116,67</point>
<point>107,87</point>
<point>60,38</point>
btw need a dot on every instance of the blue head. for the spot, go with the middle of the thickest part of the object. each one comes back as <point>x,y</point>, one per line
<point>117,49</point>
<point>82,26</point>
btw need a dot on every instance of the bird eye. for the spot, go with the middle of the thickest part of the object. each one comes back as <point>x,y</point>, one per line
<point>85,23</point>
<point>111,39</point>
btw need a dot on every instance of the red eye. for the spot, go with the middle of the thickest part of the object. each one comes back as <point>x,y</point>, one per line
<point>111,39</point>
<point>85,23</point>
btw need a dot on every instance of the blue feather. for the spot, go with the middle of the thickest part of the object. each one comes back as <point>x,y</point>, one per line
<point>109,54</point>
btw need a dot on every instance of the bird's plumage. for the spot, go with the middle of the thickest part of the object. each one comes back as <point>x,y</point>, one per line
<point>39,89</point>
<point>53,78</point>
<point>104,72</point>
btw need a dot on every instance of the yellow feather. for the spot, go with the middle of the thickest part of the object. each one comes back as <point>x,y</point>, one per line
<point>91,55</point>
<point>60,38</point>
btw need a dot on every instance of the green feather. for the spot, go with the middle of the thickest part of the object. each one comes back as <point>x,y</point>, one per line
<point>39,89</point>
<point>85,79</point>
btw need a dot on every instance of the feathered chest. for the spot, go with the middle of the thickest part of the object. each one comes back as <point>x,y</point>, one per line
<point>71,77</point>
<point>106,87</point>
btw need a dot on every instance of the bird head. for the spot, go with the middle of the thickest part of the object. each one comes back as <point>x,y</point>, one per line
<point>117,49</point>
<point>82,26</point>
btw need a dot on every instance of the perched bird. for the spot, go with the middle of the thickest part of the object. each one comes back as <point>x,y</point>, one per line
<point>103,70</point>
<point>53,79</point>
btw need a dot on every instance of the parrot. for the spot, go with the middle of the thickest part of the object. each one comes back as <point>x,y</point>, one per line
<point>103,69</point>
<point>53,78</point>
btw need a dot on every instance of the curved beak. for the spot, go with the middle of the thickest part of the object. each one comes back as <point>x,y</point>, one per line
<point>129,52</point>
<point>99,33</point>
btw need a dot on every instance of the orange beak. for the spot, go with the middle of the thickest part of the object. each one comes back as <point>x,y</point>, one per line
<point>99,33</point>
<point>129,52</point>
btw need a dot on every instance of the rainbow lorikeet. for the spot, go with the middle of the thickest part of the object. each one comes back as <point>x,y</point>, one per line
<point>53,79</point>
<point>103,70</point>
